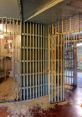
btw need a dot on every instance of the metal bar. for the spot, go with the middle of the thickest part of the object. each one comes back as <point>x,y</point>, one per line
<point>30,60</point>
<point>48,64</point>
<point>33,60</point>
<point>58,63</point>
<point>62,62</point>
<point>41,61</point>
<point>36,64</point>
<point>55,66</point>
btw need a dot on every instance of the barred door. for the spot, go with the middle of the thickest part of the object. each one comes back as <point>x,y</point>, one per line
<point>55,65</point>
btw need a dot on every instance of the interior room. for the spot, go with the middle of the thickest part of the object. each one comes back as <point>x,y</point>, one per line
<point>9,49</point>
<point>40,52</point>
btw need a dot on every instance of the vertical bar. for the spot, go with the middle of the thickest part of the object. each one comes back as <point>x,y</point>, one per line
<point>24,85</point>
<point>27,60</point>
<point>30,61</point>
<point>41,62</point>
<point>75,64</point>
<point>62,62</point>
<point>66,38</point>
<point>49,64</point>
<point>61,68</point>
<point>55,68</point>
<point>24,56</point>
<point>58,62</point>
<point>52,85</point>
<point>13,48</point>
<point>33,60</point>
<point>36,60</point>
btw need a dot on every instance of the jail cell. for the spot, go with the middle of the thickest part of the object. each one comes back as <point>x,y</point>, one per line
<point>55,64</point>
<point>72,36</point>
<point>34,61</point>
<point>68,61</point>
<point>10,31</point>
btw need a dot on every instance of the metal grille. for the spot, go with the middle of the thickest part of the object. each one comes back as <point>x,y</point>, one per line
<point>34,61</point>
<point>55,64</point>
<point>10,35</point>
<point>72,36</point>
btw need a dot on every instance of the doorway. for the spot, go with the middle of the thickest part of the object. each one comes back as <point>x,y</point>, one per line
<point>79,65</point>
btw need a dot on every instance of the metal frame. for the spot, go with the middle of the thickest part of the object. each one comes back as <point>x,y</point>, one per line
<point>35,61</point>
<point>55,64</point>
<point>11,31</point>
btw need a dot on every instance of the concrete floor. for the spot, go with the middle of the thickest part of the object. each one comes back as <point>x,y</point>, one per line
<point>72,109</point>
<point>74,106</point>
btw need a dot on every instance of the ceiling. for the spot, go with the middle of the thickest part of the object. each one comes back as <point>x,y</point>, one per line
<point>64,9</point>
<point>31,8</point>
<point>9,8</point>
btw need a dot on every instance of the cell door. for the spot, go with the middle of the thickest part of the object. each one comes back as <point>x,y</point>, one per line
<point>55,65</point>
<point>70,59</point>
